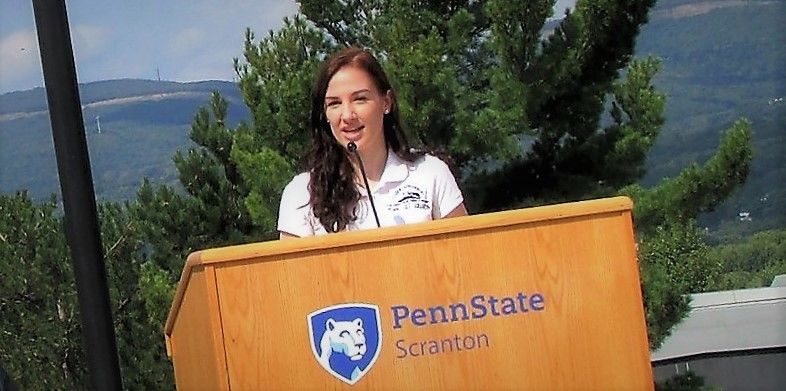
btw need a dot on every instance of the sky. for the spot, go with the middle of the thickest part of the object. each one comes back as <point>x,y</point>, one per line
<point>182,40</point>
<point>186,40</point>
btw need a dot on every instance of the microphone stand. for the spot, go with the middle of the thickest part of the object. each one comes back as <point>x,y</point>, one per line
<point>353,148</point>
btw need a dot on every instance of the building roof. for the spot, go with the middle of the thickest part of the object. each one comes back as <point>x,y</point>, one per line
<point>729,321</point>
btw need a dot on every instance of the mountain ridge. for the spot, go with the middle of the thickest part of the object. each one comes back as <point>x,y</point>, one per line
<point>34,99</point>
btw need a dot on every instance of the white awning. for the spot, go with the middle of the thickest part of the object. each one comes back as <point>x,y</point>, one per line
<point>729,321</point>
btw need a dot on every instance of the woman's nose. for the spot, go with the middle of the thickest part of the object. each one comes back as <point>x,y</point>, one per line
<point>348,114</point>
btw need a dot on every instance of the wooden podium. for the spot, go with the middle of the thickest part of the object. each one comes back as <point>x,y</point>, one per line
<point>539,298</point>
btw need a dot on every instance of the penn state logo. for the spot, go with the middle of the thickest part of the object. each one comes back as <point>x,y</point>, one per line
<point>346,339</point>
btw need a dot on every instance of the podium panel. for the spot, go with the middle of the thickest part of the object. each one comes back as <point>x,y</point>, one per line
<point>540,298</point>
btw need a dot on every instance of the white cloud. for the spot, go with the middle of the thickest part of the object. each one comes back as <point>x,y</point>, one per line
<point>186,40</point>
<point>88,40</point>
<point>208,60</point>
<point>261,16</point>
<point>204,49</point>
<point>20,65</point>
<point>20,58</point>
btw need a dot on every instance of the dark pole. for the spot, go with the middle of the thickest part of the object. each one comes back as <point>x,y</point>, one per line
<point>76,185</point>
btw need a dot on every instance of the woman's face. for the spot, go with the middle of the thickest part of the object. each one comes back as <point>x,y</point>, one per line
<point>355,108</point>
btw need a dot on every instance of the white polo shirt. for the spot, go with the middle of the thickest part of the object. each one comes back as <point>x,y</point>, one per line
<point>407,193</point>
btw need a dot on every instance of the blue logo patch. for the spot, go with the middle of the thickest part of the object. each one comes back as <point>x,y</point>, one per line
<point>346,339</point>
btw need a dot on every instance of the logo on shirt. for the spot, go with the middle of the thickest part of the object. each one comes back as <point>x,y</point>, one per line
<point>409,197</point>
<point>346,339</point>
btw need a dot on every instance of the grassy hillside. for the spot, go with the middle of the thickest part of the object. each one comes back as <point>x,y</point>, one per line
<point>723,60</point>
<point>139,135</point>
<point>35,99</point>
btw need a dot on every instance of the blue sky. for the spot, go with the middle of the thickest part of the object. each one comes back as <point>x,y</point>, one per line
<point>185,40</point>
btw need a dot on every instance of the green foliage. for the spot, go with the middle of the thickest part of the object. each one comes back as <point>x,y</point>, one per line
<point>265,172</point>
<point>673,252</point>
<point>696,189</point>
<point>40,342</point>
<point>567,81</point>
<point>679,249</point>
<point>674,260</point>
<point>276,78</point>
<point>140,345</point>
<point>664,306</point>
<point>637,113</point>
<point>752,262</point>
<point>171,225</point>
<point>40,345</point>
<point>212,213</point>
<point>719,66</point>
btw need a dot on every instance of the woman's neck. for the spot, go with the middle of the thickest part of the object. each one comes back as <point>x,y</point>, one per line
<point>374,165</point>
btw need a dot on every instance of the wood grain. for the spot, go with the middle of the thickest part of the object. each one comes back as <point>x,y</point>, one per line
<point>580,257</point>
<point>197,339</point>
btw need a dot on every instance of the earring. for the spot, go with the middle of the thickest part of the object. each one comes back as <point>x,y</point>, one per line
<point>387,111</point>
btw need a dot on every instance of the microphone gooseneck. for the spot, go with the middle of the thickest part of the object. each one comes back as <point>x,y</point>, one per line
<point>353,148</point>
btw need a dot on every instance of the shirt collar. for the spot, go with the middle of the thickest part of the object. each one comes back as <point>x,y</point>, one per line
<point>395,171</point>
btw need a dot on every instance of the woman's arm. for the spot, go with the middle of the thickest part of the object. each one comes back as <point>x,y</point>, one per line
<point>457,211</point>
<point>284,235</point>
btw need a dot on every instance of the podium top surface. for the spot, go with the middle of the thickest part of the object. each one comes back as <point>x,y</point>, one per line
<point>437,227</point>
<point>240,253</point>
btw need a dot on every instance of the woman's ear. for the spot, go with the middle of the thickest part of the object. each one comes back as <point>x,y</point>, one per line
<point>389,99</point>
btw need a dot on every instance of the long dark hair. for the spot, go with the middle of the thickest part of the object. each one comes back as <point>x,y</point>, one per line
<point>332,186</point>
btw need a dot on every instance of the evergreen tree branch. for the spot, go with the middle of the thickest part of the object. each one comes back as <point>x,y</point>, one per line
<point>697,189</point>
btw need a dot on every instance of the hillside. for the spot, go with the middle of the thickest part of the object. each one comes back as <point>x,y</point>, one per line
<point>721,60</point>
<point>142,124</point>
<point>107,90</point>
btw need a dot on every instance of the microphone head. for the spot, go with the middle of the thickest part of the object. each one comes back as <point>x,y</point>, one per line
<point>352,147</point>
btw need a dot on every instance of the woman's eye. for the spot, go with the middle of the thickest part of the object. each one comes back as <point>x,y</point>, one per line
<point>361,99</point>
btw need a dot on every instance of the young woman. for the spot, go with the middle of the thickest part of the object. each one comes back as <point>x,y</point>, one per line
<point>353,102</point>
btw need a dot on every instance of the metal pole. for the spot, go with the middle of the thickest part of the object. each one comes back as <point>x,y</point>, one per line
<point>76,185</point>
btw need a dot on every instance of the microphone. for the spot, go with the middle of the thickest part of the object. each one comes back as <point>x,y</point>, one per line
<point>353,148</point>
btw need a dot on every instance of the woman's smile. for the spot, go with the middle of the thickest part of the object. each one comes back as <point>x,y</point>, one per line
<point>353,134</point>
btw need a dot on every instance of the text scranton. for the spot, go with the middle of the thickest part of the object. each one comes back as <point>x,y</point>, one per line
<point>455,343</point>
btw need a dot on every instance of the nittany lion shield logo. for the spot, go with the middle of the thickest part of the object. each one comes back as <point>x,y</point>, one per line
<point>346,339</point>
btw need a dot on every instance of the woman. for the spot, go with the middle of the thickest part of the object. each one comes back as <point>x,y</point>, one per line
<point>353,102</point>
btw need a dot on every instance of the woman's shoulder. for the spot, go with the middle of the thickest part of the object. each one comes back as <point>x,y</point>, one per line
<point>430,162</point>
<point>298,183</point>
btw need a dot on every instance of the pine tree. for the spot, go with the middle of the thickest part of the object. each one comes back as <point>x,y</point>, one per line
<point>40,343</point>
<point>208,211</point>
